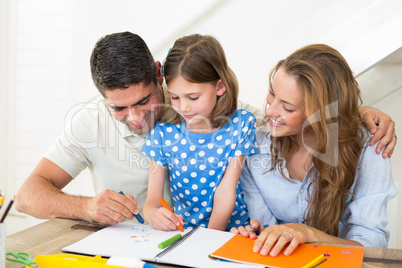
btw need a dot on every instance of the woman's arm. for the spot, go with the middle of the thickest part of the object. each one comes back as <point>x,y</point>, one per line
<point>157,216</point>
<point>225,194</point>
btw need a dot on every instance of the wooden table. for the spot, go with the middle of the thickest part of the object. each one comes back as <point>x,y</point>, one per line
<point>51,236</point>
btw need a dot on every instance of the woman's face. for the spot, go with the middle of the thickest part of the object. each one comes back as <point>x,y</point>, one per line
<point>285,106</point>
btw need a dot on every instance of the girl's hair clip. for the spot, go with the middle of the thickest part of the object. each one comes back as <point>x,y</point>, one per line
<point>163,64</point>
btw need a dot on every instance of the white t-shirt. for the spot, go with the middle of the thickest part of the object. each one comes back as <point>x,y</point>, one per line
<point>94,139</point>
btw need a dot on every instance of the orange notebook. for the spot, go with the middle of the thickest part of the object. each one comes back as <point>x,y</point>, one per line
<point>240,249</point>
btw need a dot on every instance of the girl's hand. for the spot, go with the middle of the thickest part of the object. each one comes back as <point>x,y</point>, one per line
<point>250,231</point>
<point>277,237</point>
<point>164,219</point>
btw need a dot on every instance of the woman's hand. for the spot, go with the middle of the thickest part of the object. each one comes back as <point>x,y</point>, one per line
<point>278,237</point>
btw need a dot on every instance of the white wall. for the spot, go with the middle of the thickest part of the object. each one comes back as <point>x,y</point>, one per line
<point>47,64</point>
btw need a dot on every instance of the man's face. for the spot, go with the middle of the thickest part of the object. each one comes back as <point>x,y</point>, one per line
<point>137,106</point>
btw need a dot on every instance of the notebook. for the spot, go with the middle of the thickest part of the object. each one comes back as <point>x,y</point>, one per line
<point>239,249</point>
<point>136,240</point>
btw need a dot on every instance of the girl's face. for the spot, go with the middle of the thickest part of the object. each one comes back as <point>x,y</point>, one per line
<point>285,107</point>
<point>194,101</point>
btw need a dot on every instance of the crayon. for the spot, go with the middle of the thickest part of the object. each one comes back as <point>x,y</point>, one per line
<point>165,205</point>
<point>169,241</point>
<point>137,216</point>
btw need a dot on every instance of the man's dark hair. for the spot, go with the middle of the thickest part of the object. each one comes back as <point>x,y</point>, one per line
<point>120,60</point>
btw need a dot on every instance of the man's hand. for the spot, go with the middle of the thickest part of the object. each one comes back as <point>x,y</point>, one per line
<point>110,207</point>
<point>382,127</point>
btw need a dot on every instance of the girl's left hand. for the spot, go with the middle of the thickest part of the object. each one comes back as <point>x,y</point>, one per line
<point>277,237</point>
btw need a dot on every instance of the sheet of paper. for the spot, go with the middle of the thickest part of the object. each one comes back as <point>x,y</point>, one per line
<point>136,240</point>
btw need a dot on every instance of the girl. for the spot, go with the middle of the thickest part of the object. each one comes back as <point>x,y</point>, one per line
<point>202,141</point>
<point>337,187</point>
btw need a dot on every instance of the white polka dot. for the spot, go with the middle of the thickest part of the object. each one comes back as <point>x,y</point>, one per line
<point>187,214</point>
<point>237,222</point>
<point>203,225</point>
<point>212,184</point>
<point>152,153</point>
<point>196,209</point>
<point>187,192</point>
<point>243,112</point>
<point>184,168</point>
<point>156,142</point>
<point>174,149</point>
<point>227,142</point>
<point>179,208</point>
<point>211,159</point>
<point>210,145</point>
<point>242,213</point>
<point>159,163</point>
<point>219,137</point>
<point>233,146</point>
<point>148,142</point>
<point>220,164</point>
<point>176,136</point>
<point>174,186</point>
<point>238,153</point>
<point>194,186</point>
<point>245,129</point>
<point>235,120</point>
<point>176,161</point>
<point>177,173</point>
<point>201,141</point>
<point>193,161</point>
<point>167,154</point>
<point>169,129</point>
<point>183,141</point>
<point>188,203</point>
<point>179,184</point>
<point>203,192</point>
<point>246,145</point>
<point>220,151</point>
<point>209,209</point>
<point>174,177</point>
<point>192,148</point>
<point>201,216</point>
<point>193,221</point>
<point>181,195</point>
<point>212,172</point>
<point>185,180</point>
<point>204,203</point>
<point>252,151</point>
<point>203,180</point>
<point>193,174</point>
<point>184,206</point>
<point>152,131</point>
<point>202,167</point>
<point>234,213</point>
<point>251,118</point>
<point>168,142</point>
<point>161,133</point>
<point>201,153</point>
<point>183,155</point>
<point>195,199</point>
<point>235,133</point>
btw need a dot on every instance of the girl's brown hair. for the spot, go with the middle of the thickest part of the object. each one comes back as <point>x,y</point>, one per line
<point>331,103</point>
<point>201,59</point>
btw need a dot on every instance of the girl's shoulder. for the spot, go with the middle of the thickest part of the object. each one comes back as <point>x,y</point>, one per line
<point>163,128</point>
<point>242,115</point>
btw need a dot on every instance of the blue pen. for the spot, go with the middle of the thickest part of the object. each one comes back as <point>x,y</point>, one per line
<point>137,216</point>
<point>256,229</point>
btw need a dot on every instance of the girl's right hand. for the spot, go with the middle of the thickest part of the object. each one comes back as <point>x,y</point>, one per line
<point>250,231</point>
<point>164,219</point>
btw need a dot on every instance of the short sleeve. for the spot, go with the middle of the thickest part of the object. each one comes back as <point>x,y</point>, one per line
<point>153,147</point>
<point>246,143</point>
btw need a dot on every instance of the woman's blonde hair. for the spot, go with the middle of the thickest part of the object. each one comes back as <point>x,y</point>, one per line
<point>331,102</point>
<point>201,59</point>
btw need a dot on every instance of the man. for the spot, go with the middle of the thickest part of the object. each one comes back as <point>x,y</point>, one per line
<point>106,137</point>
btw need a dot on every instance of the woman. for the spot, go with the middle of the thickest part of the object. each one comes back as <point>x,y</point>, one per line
<point>315,179</point>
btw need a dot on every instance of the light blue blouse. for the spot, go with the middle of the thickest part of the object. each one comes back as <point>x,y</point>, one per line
<point>271,199</point>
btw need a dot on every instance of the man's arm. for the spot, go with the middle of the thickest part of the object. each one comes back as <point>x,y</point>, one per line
<point>41,197</point>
